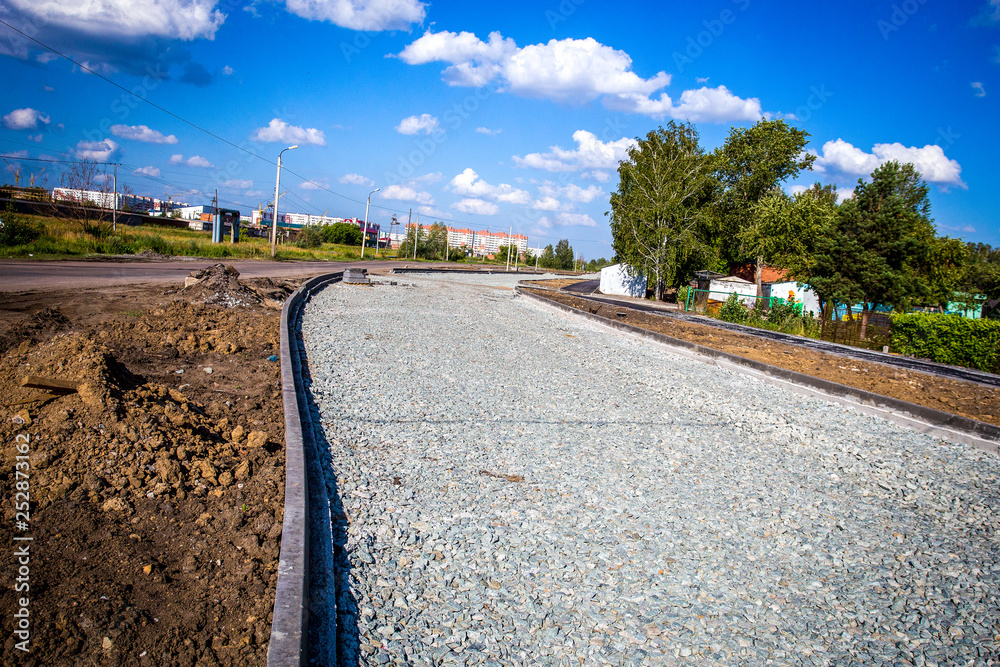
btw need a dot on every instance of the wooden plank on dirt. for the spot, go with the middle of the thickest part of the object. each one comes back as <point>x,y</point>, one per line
<point>61,387</point>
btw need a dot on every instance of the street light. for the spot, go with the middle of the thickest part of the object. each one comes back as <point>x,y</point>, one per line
<point>274,217</point>
<point>364,232</point>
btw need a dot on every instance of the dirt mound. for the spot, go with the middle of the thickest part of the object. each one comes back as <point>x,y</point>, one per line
<point>156,488</point>
<point>35,327</point>
<point>220,284</point>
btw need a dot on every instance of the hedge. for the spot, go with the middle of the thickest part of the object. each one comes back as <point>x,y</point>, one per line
<point>948,339</point>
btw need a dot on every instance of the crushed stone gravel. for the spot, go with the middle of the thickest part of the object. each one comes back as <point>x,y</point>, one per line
<point>514,487</point>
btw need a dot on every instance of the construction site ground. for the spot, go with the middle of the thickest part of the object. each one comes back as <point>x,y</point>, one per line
<point>962,398</point>
<point>157,486</point>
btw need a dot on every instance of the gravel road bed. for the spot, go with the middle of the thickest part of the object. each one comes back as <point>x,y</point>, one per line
<point>521,489</point>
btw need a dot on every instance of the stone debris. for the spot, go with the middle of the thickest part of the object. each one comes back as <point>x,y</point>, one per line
<point>516,488</point>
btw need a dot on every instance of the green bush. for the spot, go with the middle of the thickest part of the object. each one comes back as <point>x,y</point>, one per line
<point>18,230</point>
<point>781,310</point>
<point>948,339</point>
<point>733,310</point>
<point>310,237</point>
<point>682,294</point>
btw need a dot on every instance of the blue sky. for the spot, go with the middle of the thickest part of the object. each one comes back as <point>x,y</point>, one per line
<point>495,115</point>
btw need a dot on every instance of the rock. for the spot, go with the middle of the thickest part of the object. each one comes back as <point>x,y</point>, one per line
<point>257,439</point>
<point>114,505</point>
<point>208,369</point>
<point>237,434</point>
<point>107,644</point>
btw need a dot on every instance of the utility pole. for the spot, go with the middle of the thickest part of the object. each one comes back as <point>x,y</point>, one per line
<point>508,247</point>
<point>416,237</point>
<point>114,212</point>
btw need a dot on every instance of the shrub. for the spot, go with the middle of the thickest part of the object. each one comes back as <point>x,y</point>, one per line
<point>18,230</point>
<point>733,310</point>
<point>310,237</point>
<point>682,294</point>
<point>948,339</point>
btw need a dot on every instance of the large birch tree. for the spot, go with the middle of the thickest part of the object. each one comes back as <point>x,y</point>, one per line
<point>665,192</point>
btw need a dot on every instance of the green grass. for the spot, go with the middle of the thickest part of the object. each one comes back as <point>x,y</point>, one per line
<point>62,239</point>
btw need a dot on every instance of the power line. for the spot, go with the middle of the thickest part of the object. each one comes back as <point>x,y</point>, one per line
<point>212,134</point>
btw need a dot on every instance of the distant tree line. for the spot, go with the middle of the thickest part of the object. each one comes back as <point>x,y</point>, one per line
<point>679,209</point>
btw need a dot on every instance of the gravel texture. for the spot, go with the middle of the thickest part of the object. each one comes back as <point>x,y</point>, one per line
<point>517,488</point>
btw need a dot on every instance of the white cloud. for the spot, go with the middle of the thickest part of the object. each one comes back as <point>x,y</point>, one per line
<point>488,131</point>
<point>15,154</point>
<point>193,161</point>
<point>357,179</point>
<point>590,153</point>
<point>573,71</point>
<point>843,194</point>
<point>425,123</point>
<point>701,79</point>
<point>237,183</point>
<point>476,206</point>
<point>25,119</point>
<point>278,130</point>
<point>37,138</point>
<point>840,156</point>
<point>100,151</point>
<point>176,19</point>
<point>432,177</point>
<point>567,220</point>
<point>547,203</point>
<point>313,185</point>
<point>147,171</point>
<point>978,87</point>
<point>597,175</point>
<point>573,192</point>
<point>703,105</point>
<point>370,15</point>
<point>227,70</point>
<point>142,133</point>
<point>797,189</point>
<point>406,193</point>
<point>469,184</point>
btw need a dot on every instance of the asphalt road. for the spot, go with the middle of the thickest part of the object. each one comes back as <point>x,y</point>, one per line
<point>21,275</point>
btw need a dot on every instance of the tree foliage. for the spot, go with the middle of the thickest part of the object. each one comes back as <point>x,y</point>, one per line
<point>752,165</point>
<point>666,187</point>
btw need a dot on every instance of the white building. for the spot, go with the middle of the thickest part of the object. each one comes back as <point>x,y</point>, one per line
<point>616,279</point>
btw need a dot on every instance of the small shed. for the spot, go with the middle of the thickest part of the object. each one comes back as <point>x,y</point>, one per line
<point>721,288</point>
<point>616,279</point>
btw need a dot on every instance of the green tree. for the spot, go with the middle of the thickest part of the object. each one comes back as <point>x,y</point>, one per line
<point>343,233</point>
<point>665,190</point>
<point>564,256</point>
<point>752,165</point>
<point>547,260</point>
<point>882,247</point>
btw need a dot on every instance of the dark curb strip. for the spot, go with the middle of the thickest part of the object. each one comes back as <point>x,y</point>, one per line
<point>942,424</point>
<point>290,620</point>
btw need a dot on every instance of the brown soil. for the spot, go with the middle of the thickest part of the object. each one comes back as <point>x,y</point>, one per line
<point>156,495</point>
<point>961,398</point>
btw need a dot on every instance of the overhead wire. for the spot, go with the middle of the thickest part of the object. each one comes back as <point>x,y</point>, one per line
<point>319,186</point>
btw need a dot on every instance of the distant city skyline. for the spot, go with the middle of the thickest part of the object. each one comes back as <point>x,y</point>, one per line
<point>493,116</point>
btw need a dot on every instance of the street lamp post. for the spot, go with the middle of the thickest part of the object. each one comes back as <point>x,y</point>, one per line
<point>274,217</point>
<point>364,232</point>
